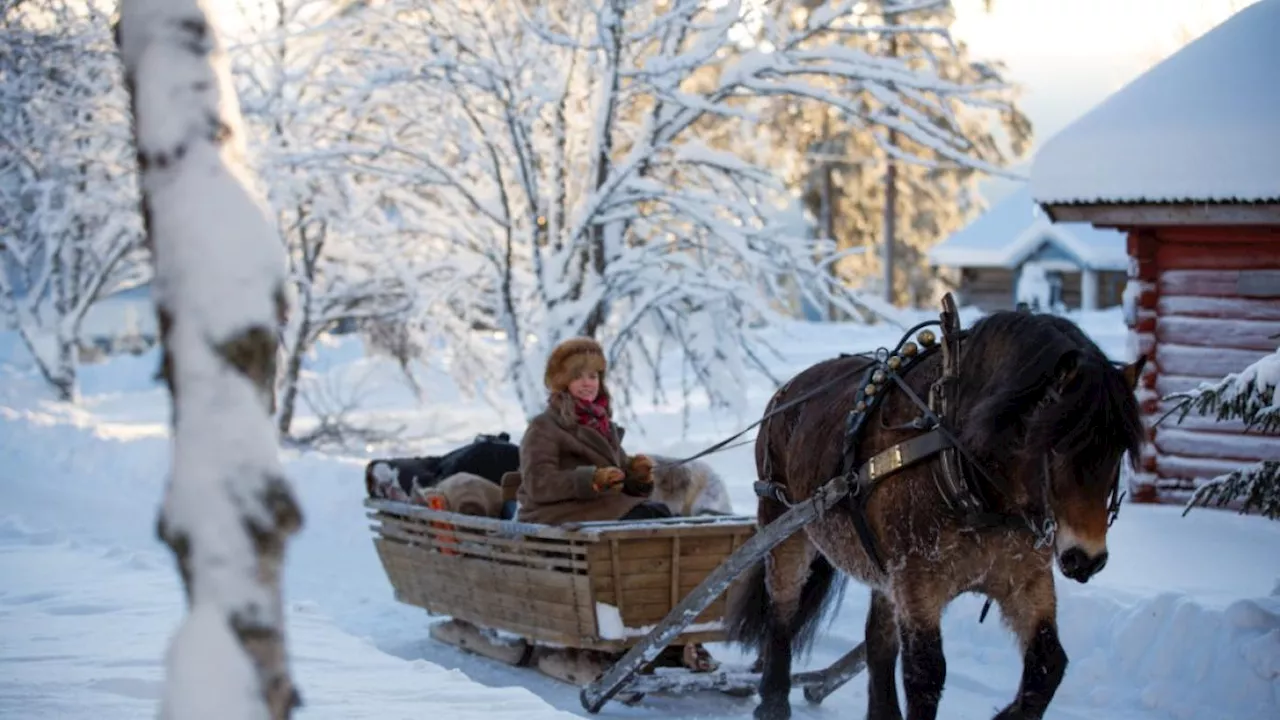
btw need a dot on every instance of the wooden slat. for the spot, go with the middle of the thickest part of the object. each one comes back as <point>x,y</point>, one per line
<point>1177,466</point>
<point>694,527</point>
<point>1219,307</point>
<point>1235,334</point>
<point>506,527</point>
<point>643,548</point>
<point>484,571</point>
<point>449,593</point>
<point>642,614</point>
<point>543,583</point>
<point>1210,236</point>
<point>1219,255</point>
<point>615,566</point>
<point>480,550</point>
<point>449,538</point>
<point>1245,448</point>
<point>1214,362</point>
<point>1168,383</point>
<point>675,571</point>
<point>1199,283</point>
<point>483,536</point>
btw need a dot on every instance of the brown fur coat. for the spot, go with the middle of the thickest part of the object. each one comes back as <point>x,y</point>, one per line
<point>558,462</point>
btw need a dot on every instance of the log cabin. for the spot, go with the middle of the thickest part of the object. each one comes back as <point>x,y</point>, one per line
<point>1185,161</point>
<point>983,260</point>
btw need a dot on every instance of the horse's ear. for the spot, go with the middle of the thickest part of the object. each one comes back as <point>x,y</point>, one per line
<point>1068,364</point>
<point>1133,371</point>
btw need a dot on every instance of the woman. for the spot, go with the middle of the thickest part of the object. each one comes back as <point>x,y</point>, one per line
<point>573,467</point>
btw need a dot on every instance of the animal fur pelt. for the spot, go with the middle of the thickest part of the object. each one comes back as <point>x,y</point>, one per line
<point>489,456</point>
<point>689,489</point>
<point>466,493</point>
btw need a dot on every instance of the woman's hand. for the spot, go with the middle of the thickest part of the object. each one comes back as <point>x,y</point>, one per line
<point>642,468</point>
<point>607,478</point>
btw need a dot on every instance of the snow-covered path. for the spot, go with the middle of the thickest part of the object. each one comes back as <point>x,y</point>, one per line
<point>1184,623</point>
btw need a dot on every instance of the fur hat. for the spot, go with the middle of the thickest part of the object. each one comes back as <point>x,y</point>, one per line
<point>569,359</point>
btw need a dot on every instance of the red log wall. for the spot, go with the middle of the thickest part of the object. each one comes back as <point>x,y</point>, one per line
<point>1195,326</point>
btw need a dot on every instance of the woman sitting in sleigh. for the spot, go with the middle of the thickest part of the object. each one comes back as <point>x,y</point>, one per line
<point>573,467</point>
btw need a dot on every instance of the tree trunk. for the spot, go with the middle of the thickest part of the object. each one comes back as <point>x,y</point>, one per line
<point>219,276</point>
<point>293,369</point>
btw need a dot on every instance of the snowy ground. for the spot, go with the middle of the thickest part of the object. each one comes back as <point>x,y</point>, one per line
<point>1184,622</point>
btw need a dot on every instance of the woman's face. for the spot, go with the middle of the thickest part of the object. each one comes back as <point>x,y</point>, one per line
<point>586,386</point>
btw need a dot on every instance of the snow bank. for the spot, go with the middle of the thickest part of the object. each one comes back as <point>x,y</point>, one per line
<point>1182,625</point>
<point>85,629</point>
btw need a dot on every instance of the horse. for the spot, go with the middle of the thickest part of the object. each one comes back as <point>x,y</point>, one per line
<point>1040,421</point>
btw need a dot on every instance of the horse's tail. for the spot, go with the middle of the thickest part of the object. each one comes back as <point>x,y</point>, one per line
<point>751,614</point>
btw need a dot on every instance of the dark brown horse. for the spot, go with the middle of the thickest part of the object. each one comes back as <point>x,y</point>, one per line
<point>1045,420</point>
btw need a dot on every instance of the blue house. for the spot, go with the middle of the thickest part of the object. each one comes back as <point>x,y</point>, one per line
<point>1086,268</point>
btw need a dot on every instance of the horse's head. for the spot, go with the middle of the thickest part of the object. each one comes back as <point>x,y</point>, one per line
<point>1083,434</point>
<point>1046,410</point>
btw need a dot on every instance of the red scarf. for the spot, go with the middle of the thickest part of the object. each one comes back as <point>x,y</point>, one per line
<point>594,415</point>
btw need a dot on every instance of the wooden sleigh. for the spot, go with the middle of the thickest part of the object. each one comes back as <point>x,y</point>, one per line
<point>592,604</point>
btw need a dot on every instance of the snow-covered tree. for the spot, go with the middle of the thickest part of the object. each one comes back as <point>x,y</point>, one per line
<point>1250,397</point>
<point>845,166</point>
<point>69,227</point>
<point>597,160</point>
<point>306,69</point>
<point>220,276</point>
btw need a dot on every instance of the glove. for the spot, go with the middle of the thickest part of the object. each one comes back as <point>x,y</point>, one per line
<point>607,478</point>
<point>642,468</point>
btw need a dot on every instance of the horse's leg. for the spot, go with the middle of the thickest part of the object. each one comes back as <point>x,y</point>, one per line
<point>1031,612</point>
<point>881,636</point>
<point>786,569</point>
<point>918,605</point>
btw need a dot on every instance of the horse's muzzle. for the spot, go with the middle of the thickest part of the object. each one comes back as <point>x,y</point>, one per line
<point>1080,567</point>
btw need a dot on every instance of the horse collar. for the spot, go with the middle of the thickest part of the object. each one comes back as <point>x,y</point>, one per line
<point>958,491</point>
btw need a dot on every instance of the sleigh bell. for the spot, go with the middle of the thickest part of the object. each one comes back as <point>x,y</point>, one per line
<point>871,389</point>
<point>894,362</point>
<point>926,338</point>
<point>877,377</point>
<point>909,349</point>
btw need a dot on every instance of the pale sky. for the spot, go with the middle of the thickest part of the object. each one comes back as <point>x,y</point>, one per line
<point>1069,55</point>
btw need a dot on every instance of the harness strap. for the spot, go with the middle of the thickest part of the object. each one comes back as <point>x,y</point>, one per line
<point>881,465</point>
<point>899,456</point>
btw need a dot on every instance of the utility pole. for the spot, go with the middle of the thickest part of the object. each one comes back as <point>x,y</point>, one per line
<point>890,175</point>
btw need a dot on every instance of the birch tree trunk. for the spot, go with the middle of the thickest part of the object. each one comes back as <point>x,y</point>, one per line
<point>219,283</point>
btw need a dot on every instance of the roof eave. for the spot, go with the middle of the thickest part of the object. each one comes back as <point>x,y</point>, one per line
<point>1167,214</point>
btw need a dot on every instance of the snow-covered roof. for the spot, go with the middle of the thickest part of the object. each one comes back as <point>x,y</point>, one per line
<point>1014,228</point>
<point>1200,126</point>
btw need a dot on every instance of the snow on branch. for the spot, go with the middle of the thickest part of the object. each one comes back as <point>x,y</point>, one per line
<point>219,288</point>
<point>596,166</point>
<point>1249,396</point>
<point>1256,487</point>
<point>70,232</point>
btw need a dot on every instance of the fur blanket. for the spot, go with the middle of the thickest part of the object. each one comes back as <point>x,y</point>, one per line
<point>690,489</point>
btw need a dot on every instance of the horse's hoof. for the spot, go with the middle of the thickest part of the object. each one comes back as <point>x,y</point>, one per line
<point>773,711</point>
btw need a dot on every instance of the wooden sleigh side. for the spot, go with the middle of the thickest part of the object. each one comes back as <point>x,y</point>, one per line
<point>596,586</point>
<point>603,587</point>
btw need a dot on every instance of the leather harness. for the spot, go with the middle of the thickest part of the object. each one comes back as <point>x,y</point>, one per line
<point>953,478</point>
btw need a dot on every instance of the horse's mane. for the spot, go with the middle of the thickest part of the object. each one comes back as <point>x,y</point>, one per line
<point>1009,360</point>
